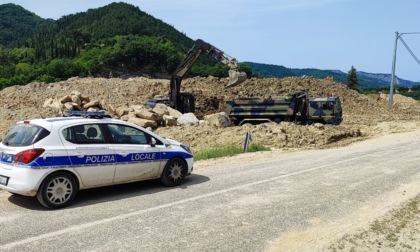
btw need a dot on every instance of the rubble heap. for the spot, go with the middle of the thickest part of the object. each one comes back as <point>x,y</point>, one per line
<point>364,115</point>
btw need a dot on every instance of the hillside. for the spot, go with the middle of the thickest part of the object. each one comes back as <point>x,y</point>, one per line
<point>116,19</point>
<point>117,40</point>
<point>17,24</point>
<point>366,80</point>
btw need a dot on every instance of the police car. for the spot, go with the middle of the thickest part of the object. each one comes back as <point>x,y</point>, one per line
<point>53,158</point>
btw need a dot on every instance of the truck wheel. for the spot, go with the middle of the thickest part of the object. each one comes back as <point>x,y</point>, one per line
<point>174,172</point>
<point>57,190</point>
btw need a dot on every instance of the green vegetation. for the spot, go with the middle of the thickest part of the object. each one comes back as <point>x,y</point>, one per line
<point>17,24</point>
<point>274,71</point>
<point>113,41</point>
<point>352,80</point>
<point>270,71</point>
<point>227,151</point>
<point>413,92</point>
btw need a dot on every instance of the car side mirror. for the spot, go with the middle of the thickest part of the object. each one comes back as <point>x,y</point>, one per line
<point>153,142</point>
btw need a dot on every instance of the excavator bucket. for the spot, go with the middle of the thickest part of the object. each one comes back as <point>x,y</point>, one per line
<point>236,77</point>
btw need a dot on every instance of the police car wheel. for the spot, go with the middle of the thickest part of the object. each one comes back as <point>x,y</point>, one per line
<point>57,190</point>
<point>174,172</point>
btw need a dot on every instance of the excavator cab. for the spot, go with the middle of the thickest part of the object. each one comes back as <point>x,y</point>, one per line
<point>187,102</point>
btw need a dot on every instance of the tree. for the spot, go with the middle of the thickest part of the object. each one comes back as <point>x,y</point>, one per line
<point>352,80</point>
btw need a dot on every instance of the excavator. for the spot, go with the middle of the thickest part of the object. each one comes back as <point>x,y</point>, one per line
<point>185,102</point>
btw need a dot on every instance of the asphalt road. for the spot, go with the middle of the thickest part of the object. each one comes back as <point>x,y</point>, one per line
<point>253,202</point>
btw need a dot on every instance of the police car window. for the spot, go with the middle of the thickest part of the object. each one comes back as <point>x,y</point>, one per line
<point>84,134</point>
<point>123,134</point>
<point>24,135</point>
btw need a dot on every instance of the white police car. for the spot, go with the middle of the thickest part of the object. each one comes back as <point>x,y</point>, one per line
<point>53,158</point>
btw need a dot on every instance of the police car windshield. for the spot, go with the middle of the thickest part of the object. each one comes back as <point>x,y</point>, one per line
<point>24,135</point>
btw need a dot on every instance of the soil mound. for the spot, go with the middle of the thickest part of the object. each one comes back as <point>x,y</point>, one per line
<point>364,116</point>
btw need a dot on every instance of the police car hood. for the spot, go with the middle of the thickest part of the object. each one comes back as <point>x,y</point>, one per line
<point>172,142</point>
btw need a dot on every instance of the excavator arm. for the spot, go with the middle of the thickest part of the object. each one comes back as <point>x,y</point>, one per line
<point>184,102</point>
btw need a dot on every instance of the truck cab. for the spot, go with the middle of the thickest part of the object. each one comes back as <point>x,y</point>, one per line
<point>325,110</point>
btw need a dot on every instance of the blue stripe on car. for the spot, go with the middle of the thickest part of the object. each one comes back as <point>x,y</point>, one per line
<point>108,159</point>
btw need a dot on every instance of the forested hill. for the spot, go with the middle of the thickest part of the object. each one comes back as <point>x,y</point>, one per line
<point>113,20</point>
<point>115,40</point>
<point>17,25</point>
<point>366,80</point>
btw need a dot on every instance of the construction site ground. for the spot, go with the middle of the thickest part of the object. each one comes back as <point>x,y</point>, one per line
<point>365,116</point>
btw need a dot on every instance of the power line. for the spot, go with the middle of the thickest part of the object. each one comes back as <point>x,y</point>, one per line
<point>409,50</point>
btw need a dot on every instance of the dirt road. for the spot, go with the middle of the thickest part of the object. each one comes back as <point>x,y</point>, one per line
<point>397,213</point>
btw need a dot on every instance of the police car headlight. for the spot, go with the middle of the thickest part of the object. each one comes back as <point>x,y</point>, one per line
<point>183,146</point>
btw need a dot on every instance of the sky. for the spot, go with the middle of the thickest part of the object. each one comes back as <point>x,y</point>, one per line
<point>322,34</point>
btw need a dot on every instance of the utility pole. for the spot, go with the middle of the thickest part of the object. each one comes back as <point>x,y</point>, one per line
<point>391,89</point>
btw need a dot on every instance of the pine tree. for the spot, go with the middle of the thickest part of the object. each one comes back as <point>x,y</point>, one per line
<point>352,80</point>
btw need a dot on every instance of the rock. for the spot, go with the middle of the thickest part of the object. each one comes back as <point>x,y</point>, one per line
<point>319,126</point>
<point>142,122</point>
<point>161,109</point>
<point>169,120</point>
<point>123,111</point>
<point>188,119</point>
<point>75,93</point>
<point>94,109</point>
<point>219,119</point>
<point>91,104</point>
<point>84,98</point>
<point>110,108</point>
<point>65,99</point>
<point>68,106</point>
<point>173,112</point>
<point>76,99</point>
<point>125,117</point>
<point>53,103</point>
<point>145,114</point>
<point>137,107</point>
<point>76,106</point>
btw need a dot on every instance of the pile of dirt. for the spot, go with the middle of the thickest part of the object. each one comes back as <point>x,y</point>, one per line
<point>364,116</point>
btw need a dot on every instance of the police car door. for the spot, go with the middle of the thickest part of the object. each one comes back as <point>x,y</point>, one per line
<point>136,158</point>
<point>91,157</point>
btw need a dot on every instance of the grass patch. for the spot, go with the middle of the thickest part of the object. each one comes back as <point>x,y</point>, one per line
<point>229,150</point>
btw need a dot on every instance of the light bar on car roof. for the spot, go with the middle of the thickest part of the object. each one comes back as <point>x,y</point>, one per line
<point>91,114</point>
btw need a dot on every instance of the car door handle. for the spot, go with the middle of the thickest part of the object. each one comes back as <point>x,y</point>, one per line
<point>80,154</point>
<point>123,154</point>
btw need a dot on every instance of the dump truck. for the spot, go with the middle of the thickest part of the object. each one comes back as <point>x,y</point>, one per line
<point>296,107</point>
<point>184,102</point>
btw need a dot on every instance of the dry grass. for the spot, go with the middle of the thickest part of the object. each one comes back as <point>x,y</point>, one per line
<point>398,231</point>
